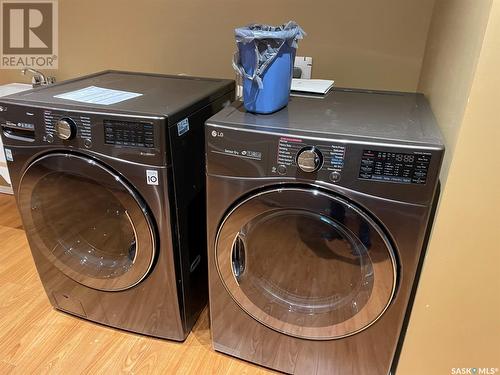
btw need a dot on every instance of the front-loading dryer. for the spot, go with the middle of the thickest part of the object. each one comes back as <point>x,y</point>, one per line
<point>317,219</point>
<point>108,175</point>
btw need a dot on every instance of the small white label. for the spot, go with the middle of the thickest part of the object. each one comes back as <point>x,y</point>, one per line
<point>8,154</point>
<point>152,177</point>
<point>98,95</point>
<point>182,127</point>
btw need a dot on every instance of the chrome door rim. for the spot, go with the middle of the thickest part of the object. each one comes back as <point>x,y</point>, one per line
<point>272,322</point>
<point>103,284</point>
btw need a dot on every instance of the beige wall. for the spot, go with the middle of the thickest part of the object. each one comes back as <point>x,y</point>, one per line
<point>455,320</point>
<point>453,45</point>
<point>376,44</point>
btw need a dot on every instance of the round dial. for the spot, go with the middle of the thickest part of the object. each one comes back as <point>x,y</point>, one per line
<point>309,159</point>
<point>65,128</point>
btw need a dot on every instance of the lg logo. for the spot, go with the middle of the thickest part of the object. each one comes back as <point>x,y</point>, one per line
<point>29,34</point>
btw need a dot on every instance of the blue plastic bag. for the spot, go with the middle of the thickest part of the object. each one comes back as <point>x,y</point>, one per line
<point>265,60</point>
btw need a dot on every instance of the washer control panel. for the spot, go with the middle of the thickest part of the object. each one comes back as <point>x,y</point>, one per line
<point>88,128</point>
<point>59,125</point>
<point>128,133</point>
<point>135,138</point>
<point>408,168</point>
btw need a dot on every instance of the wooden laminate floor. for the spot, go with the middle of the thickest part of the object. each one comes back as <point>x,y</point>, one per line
<point>35,338</point>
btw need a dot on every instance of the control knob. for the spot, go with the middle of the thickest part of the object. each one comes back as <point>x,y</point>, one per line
<point>309,159</point>
<point>65,128</point>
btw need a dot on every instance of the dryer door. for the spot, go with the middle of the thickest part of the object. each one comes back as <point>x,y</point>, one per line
<point>306,263</point>
<point>87,221</point>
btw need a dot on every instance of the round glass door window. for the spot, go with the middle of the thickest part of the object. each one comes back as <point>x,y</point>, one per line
<point>87,221</point>
<point>306,263</point>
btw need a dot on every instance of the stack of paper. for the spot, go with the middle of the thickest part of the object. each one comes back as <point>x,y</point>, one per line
<point>314,86</point>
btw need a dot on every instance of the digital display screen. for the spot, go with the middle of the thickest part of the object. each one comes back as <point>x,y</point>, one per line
<point>129,134</point>
<point>394,167</point>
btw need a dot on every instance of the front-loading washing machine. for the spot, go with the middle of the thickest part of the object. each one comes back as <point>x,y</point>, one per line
<point>317,220</point>
<point>108,175</point>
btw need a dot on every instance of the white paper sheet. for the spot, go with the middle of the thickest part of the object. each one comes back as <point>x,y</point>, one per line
<point>98,95</point>
<point>316,86</point>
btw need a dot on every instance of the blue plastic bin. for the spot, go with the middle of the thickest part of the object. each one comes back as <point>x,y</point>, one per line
<point>265,60</point>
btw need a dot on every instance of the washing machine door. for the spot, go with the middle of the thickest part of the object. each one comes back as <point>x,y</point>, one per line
<point>306,263</point>
<point>87,221</point>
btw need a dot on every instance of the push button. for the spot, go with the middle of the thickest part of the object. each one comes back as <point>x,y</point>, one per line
<point>281,169</point>
<point>87,143</point>
<point>335,176</point>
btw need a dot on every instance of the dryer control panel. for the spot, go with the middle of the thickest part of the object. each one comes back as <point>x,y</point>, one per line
<point>289,150</point>
<point>395,166</point>
<point>298,154</point>
<point>391,170</point>
<point>255,154</point>
<point>339,161</point>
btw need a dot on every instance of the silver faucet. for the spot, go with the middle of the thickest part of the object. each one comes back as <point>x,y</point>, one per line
<point>38,79</point>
